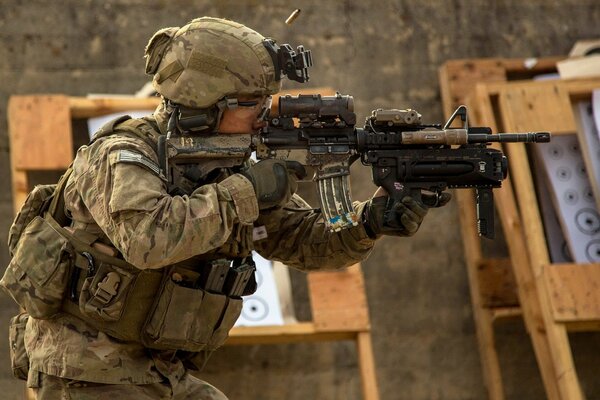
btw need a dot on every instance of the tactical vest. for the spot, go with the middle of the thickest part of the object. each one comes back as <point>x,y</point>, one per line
<point>188,306</point>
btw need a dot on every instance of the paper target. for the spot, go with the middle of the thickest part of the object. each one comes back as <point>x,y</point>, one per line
<point>593,251</point>
<point>262,308</point>
<point>573,199</point>
<point>557,243</point>
<point>255,309</point>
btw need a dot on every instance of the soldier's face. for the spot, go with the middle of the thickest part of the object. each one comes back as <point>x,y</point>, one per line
<point>244,118</point>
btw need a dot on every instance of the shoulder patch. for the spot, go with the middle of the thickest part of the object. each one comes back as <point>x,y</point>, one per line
<point>133,157</point>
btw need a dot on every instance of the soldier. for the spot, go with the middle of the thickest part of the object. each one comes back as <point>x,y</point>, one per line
<point>135,316</point>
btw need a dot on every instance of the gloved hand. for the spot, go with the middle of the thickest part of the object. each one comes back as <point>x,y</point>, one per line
<point>405,218</point>
<point>274,182</point>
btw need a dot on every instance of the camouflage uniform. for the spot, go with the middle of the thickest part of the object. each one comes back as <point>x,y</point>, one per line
<point>188,388</point>
<point>129,207</point>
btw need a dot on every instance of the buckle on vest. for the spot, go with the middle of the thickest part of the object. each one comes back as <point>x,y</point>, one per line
<point>107,289</point>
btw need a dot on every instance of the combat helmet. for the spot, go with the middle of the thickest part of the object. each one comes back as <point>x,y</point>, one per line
<point>209,59</point>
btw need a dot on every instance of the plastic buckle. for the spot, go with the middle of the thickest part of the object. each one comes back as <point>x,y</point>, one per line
<point>107,289</point>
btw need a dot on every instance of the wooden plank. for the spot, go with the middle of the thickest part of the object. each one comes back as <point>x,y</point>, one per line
<point>84,107</point>
<point>521,109</point>
<point>486,342</point>
<point>555,100</point>
<point>544,107</point>
<point>531,218</point>
<point>290,333</point>
<point>483,317</point>
<point>583,326</point>
<point>367,366</point>
<point>480,100</point>
<point>20,187</point>
<point>457,78</point>
<point>575,88</point>
<point>532,66</point>
<point>497,283</point>
<point>580,89</point>
<point>36,125</point>
<point>506,313</point>
<point>574,291</point>
<point>338,300</point>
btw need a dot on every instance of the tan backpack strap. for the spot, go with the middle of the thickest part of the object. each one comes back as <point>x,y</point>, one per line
<point>141,129</point>
<point>109,128</point>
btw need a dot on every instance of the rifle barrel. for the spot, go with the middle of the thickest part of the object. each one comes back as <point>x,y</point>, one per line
<point>529,137</point>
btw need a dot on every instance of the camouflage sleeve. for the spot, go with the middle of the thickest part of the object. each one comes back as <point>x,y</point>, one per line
<point>151,228</point>
<point>296,236</point>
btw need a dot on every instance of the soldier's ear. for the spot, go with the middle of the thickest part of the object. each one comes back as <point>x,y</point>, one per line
<point>155,49</point>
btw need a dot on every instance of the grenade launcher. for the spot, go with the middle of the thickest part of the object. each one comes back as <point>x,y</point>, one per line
<point>406,156</point>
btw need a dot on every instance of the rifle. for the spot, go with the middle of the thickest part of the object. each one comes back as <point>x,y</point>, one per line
<point>406,156</point>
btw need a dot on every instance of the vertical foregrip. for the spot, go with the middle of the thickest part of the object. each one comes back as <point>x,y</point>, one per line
<point>485,212</point>
<point>336,204</point>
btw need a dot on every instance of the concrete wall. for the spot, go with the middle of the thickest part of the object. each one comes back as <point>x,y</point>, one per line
<point>386,53</point>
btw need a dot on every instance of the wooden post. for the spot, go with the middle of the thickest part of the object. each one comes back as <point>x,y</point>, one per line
<point>547,105</point>
<point>511,223</point>
<point>40,137</point>
<point>553,298</point>
<point>367,366</point>
<point>338,300</point>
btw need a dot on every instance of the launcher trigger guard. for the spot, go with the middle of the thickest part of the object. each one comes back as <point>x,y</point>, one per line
<point>436,196</point>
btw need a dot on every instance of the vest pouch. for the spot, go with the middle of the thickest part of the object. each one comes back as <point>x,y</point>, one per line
<point>184,317</point>
<point>32,207</point>
<point>103,295</point>
<point>230,315</point>
<point>37,275</point>
<point>16,339</point>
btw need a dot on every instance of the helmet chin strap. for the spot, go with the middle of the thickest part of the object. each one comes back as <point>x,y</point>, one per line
<point>186,150</point>
<point>173,110</point>
<point>222,105</point>
<point>193,121</point>
<point>184,120</point>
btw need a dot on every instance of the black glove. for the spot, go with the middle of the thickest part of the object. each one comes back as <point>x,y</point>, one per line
<point>403,219</point>
<point>274,184</point>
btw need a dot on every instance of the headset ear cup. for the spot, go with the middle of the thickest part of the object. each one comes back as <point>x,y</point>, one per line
<point>155,49</point>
